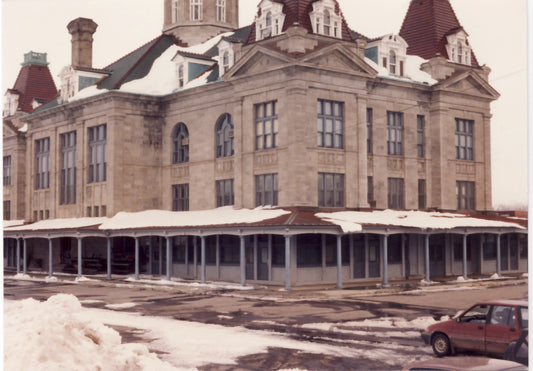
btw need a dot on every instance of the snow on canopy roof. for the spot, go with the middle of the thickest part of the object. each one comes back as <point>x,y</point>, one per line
<point>58,224</point>
<point>354,221</point>
<point>13,223</point>
<point>174,219</point>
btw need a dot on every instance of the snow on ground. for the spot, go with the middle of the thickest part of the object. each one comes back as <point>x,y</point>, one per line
<point>60,334</point>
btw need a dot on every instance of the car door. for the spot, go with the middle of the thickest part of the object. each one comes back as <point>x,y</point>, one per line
<point>469,330</point>
<point>502,329</point>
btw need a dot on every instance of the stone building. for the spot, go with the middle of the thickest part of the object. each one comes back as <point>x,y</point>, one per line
<point>296,111</point>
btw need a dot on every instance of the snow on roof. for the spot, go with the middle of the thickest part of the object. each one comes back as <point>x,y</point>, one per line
<point>413,73</point>
<point>58,224</point>
<point>13,223</point>
<point>173,219</point>
<point>353,221</point>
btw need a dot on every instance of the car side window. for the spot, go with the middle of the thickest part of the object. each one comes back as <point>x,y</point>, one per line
<point>503,316</point>
<point>524,313</point>
<point>477,314</point>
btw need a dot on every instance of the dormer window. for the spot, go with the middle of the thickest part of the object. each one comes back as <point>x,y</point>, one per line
<point>181,75</point>
<point>270,21</point>
<point>225,61</point>
<point>390,51</point>
<point>458,49</point>
<point>324,19</point>
<point>226,55</point>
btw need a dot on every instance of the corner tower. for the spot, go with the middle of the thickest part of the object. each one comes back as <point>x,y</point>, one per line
<point>195,21</point>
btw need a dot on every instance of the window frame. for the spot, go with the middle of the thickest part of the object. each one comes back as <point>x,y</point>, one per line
<point>262,194</point>
<point>421,136</point>
<point>334,197</point>
<point>180,150</point>
<point>7,171</point>
<point>196,10</point>
<point>225,192</point>
<point>221,10</point>
<point>466,195</point>
<point>175,11</point>
<point>266,140</point>
<point>422,194</point>
<point>369,130</point>
<point>395,128</point>
<point>224,129</point>
<point>42,163</point>
<point>333,112</point>
<point>68,173</point>
<point>464,139</point>
<point>180,197</point>
<point>396,193</point>
<point>97,153</point>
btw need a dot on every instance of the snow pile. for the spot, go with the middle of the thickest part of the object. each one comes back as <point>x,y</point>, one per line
<point>53,335</point>
<point>168,219</point>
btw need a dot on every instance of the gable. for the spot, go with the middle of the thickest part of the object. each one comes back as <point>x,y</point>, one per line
<point>257,61</point>
<point>337,58</point>
<point>469,83</point>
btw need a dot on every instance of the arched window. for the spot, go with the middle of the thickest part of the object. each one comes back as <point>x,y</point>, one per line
<point>224,135</point>
<point>267,31</point>
<point>180,144</point>
<point>327,22</point>
<point>392,62</point>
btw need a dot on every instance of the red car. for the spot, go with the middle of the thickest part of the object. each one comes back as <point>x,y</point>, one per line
<point>487,327</point>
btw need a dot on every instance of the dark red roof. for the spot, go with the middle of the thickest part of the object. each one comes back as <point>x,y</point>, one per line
<point>426,25</point>
<point>297,11</point>
<point>34,82</point>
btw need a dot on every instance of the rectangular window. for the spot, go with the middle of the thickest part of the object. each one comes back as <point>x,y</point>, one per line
<point>489,247</point>
<point>422,203</point>
<point>394,252</point>
<point>266,190</point>
<point>330,190</point>
<point>458,249</point>
<point>278,251</point>
<point>330,124</point>
<point>221,10</point>
<point>196,10</point>
<point>68,169</point>
<point>464,139</point>
<point>97,153</point>
<point>175,11</point>
<point>369,129</point>
<point>7,210</point>
<point>308,251</point>
<point>42,163</point>
<point>396,195</point>
<point>466,195</point>
<point>230,252</point>
<point>225,195</point>
<point>395,133</point>
<point>180,197</point>
<point>266,125</point>
<point>7,171</point>
<point>420,136</point>
<point>370,191</point>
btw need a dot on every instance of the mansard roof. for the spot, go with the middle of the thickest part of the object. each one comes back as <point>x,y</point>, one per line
<point>136,64</point>
<point>34,82</point>
<point>426,25</point>
<point>297,12</point>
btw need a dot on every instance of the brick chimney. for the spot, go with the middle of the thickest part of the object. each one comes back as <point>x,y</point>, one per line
<point>82,30</point>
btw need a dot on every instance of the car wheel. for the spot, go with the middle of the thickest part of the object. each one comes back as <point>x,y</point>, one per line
<point>441,345</point>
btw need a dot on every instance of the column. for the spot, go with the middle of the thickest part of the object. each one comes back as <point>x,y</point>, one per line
<point>465,257</point>
<point>202,259</point>
<point>385,244</point>
<point>150,255</point>
<point>160,247</point>
<point>288,263</point>
<point>18,255</point>
<point>50,259</point>
<point>169,258</point>
<point>108,258</point>
<point>136,258</point>
<point>426,256</point>
<point>80,260</point>
<point>243,261</point>
<point>498,255</point>
<point>25,258</point>
<point>339,262</point>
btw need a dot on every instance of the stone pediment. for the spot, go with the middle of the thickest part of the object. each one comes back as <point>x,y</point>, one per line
<point>258,60</point>
<point>469,83</point>
<point>338,58</point>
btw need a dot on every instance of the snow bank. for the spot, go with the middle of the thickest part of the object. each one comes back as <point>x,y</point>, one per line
<point>54,335</point>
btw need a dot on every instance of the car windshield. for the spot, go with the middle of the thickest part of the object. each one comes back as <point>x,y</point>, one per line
<point>524,314</point>
<point>477,314</point>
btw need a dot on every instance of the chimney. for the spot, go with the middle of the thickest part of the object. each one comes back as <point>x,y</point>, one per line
<point>82,30</point>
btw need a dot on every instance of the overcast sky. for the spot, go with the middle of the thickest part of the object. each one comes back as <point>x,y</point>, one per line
<point>497,32</point>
